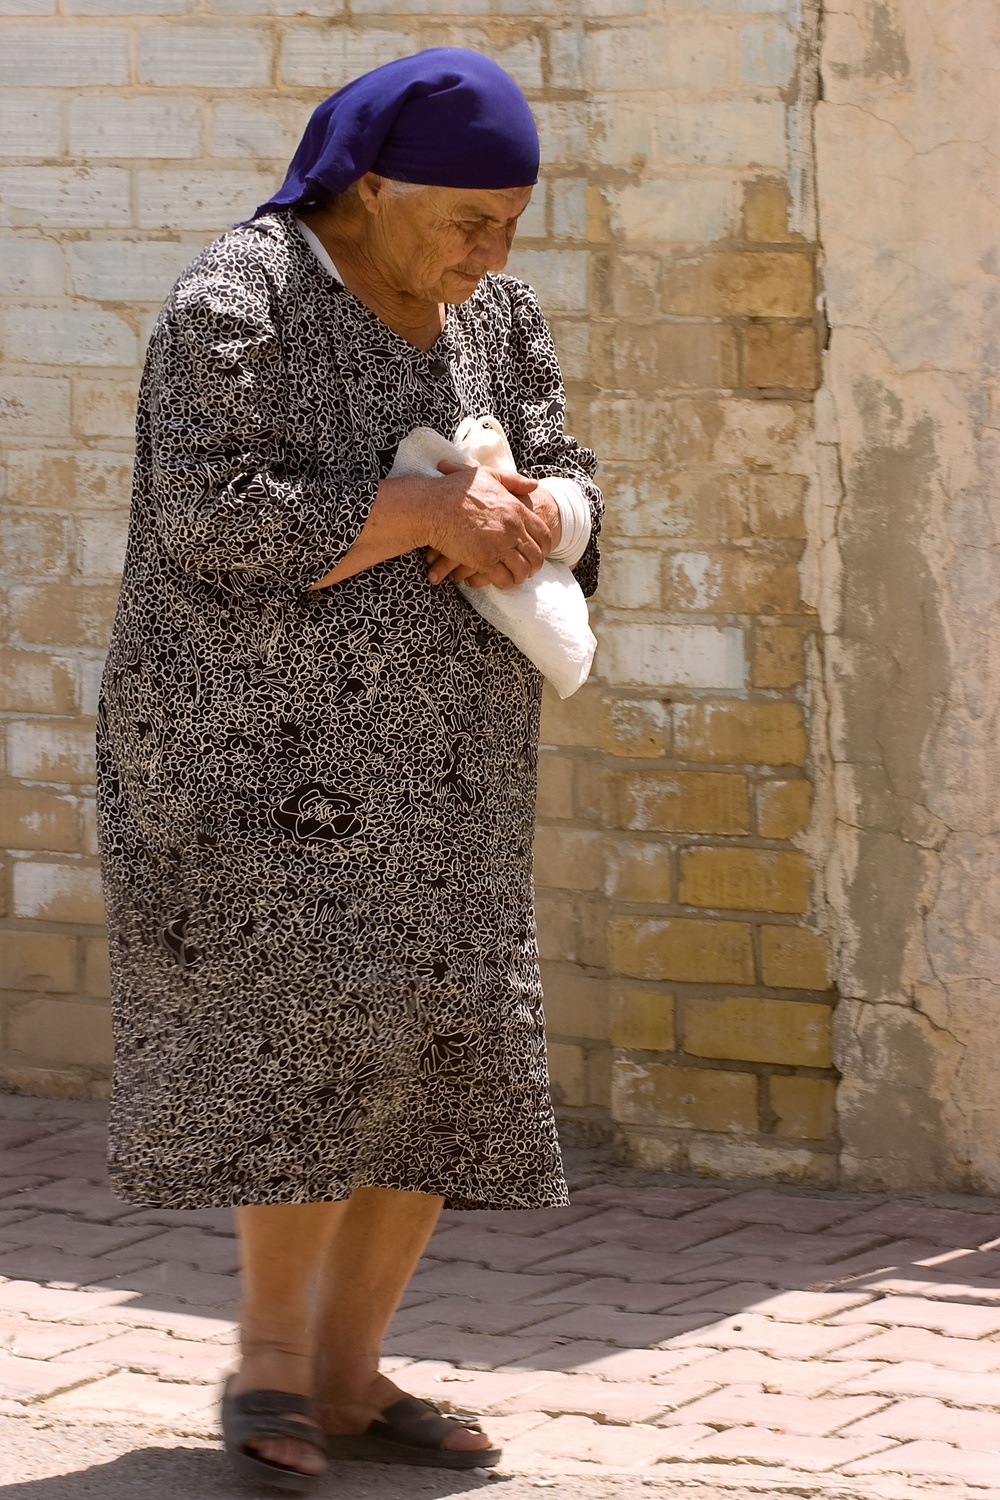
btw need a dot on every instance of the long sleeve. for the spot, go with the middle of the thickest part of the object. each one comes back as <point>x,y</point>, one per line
<point>235,504</point>
<point>533,413</point>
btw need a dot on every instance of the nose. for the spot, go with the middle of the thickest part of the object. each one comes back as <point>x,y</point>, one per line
<point>492,248</point>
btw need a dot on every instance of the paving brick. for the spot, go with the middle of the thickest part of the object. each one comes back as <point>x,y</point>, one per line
<point>778,1375</point>
<point>475,1317</point>
<point>467,1390</point>
<point>140,1399</point>
<point>813,1455</point>
<point>477,1351</point>
<point>626,1329</point>
<point>152,1353</point>
<point>783,1340</point>
<point>33,1339</point>
<point>769,1239</point>
<point>986,1293</point>
<point>955,1320</point>
<point>215,1220</point>
<point>931,1458</point>
<point>944,1226</point>
<point>628,1296</point>
<point>500,1252</point>
<point>631,1265</point>
<point>913,1378</point>
<point>926,1417</point>
<point>56,1232</point>
<point>530,1221</point>
<point>174,1280</point>
<point>743,1406</point>
<point>208,1252</point>
<point>182,1320</point>
<point>54,1304</point>
<point>35,1379</point>
<point>579,1440</point>
<point>597,1359</point>
<point>803,1215</point>
<point>588,1396</point>
<point>898,1345</point>
<point>811,1307</point>
<point>491,1286</point>
<point>85,1200</point>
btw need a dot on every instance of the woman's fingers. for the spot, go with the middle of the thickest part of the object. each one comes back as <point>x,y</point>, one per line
<point>516,484</point>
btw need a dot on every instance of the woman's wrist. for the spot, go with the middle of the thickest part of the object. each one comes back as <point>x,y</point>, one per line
<point>545,505</point>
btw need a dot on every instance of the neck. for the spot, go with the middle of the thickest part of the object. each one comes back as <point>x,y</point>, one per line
<point>343,237</point>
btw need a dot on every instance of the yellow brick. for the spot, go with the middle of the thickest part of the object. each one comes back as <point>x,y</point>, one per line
<point>733,582</point>
<point>680,801</point>
<point>650,357</point>
<point>87,479</point>
<point>745,879</point>
<point>589,790</point>
<point>638,871</point>
<point>745,284</point>
<point>805,1107</point>
<point>37,682</point>
<point>765,212</point>
<point>755,1029</point>
<point>51,892</point>
<point>682,949</point>
<point>61,1032</point>
<point>794,958</point>
<point>576,1003</point>
<point>36,819</point>
<point>96,972</point>
<point>567,1073</point>
<point>555,785</point>
<point>783,808</point>
<point>635,727</point>
<point>45,1083</point>
<point>630,287</point>
<point>52,750</point>
<point>104,408</point>
<point>643,1019</point>
<point>689,1098</point>
<point>769,734</point>
<point>777,657</point>
<point>569,859</point>
<point>37,961</point>
<point>570,721</point>
<point>597,1084</point>
<point>775,503</point>
<point>782,356</point>
<point>35,542</point>
<point>64,614</point>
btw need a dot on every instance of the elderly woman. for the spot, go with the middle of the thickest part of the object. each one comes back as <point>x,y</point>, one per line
<point>317,763</point>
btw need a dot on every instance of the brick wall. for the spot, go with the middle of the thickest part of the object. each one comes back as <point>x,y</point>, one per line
<point>685,967</point>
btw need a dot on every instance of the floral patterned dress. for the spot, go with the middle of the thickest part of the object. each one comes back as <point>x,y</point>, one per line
<point>316,808</point>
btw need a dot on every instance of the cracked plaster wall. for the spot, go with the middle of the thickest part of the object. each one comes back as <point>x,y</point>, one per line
<point>907,152</point>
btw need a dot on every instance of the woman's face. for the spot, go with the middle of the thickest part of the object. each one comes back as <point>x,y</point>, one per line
<point>437,244</point>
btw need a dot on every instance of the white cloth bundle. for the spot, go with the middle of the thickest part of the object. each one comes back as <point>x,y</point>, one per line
<point>546,616</point>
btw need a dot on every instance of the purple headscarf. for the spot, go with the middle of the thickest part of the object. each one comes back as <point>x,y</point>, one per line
<point>445,117</point>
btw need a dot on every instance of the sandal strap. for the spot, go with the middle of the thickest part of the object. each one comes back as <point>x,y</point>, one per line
<point>417,1423</point>
<point>258,1414</point>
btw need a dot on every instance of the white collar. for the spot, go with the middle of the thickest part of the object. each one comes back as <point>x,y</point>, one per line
<point>318,249</point>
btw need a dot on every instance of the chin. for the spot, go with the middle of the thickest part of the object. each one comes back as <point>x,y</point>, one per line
<point>456,288</point>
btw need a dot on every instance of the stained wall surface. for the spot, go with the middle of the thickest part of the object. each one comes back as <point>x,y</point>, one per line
<point>908,141</point>
<point>680,861</point>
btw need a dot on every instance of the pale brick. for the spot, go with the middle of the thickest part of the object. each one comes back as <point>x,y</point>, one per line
<point>678,210</point>
<point>58,1030</point>
<point>783,808</point>
<point>68,336</point>
<point>558,276</point>
<point>575,1004</point>
<point>71,197</point>
<point>37,682</point>
<point>665,356</point>
<point>37,961</point>
<point>570,859</point>
<point>780,356</point>
<point>104,408</point>
<point>929,1458</point>
<point>31,818</point>
<point>733,581</point>
<point>63,614</point>
<point>247,127</point>
<point>751,733</point>
<point>777,657</point>
<point>142,126</point>
<point>204,56</point>
<point>775,505</point>
<point>765,211</point>
<point>689,1098</point>
<point>745,879</point>
<point>794,958</point>
<point>555,786</point>
<point>87,479</point>
<point>955,1320</point>
<point>33,406</point>
<point>812,1455</point>
<point>28,7</point>
<point>40,750</point>
<point>767,54</point>
<point>127,7</point>
<point>638,728</point>
<point>680,801</point>
<point>687,54</point>
<point>688,505</point>
<point>35,542</point>
<point>759,1030</point>
<point>277,7</point>
<point>88,823</point>
<point>562,130</point>
<point>681,949</point>
<point>642,1019</point>
<point>769,1160</point>
<point>570,721</point>
<point>638,871</point>
<point>31,267</point>
<point>679,132</point>
<point>628,429</point>
<point>197,199</point>
<point>70,57</point>
<point>328,58</point>
<point>630,578</point>
<point>649,654</point>
<point>741,284</point>
<point>29,126</point>
<point>128,1397</point>
<point>57,893</point>
<point>569,216</point>
<point>96,972</point>
<point>805,1107</point>
<point>572,341</point>
<point>101,544</point>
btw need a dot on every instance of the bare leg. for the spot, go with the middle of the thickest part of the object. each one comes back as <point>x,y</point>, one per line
<point>368,1262</point>
<point>281,1248</point>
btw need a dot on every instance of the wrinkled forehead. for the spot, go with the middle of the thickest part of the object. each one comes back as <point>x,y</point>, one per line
<point>493,205</point>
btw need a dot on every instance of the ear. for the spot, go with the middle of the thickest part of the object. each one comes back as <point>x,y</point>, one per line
<point>371,192</point>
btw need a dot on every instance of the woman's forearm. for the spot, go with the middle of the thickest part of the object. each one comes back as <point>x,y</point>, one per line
<point>393,528</point>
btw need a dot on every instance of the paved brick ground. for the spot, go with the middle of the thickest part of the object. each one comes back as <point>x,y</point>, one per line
<point>656,1332</point>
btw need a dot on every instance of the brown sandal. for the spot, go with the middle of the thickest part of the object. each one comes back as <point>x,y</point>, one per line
<point>254,1415</point>
<point>411,1431</point>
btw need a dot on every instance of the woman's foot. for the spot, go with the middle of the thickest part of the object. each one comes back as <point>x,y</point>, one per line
<point>270,1369</point>
<point>352,1413</point>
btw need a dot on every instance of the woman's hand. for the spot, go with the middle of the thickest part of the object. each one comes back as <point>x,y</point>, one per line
<point>520,562</point>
